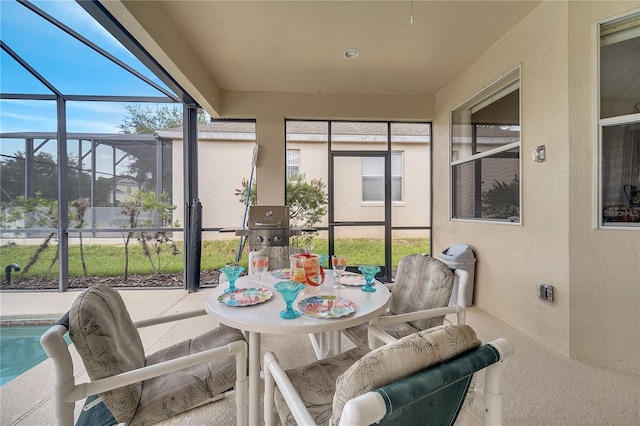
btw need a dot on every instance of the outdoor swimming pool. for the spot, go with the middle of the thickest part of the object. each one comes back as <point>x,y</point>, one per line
<point>20,350</point>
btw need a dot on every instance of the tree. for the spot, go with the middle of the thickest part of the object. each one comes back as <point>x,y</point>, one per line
<point>132,207</point>
<point>502,200</point>
<point>162,208</point>
<point>35,212</point>
<point>307,202</point>
<point>45,176</point>
<point>80,205</point>
<point>144,119</point>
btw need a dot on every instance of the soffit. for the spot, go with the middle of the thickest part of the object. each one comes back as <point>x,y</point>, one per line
<point>271,46</point>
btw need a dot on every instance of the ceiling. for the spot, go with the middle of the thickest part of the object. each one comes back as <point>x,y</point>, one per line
<point>297,46</point>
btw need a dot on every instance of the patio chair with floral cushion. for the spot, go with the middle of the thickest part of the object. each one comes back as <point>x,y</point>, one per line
<point>419,299</point>
<point>135,388</point>
<point>423,378</point>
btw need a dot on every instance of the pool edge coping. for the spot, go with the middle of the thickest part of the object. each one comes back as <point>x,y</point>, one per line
<point>28,322</point>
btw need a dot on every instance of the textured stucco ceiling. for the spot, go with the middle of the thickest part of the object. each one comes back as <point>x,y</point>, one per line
<point>298,46</point>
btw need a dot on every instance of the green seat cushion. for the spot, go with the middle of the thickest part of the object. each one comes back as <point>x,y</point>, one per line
<point>400,359</point>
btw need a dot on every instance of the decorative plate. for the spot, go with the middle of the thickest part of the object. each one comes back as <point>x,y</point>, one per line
<point>281,274</point>
<point>351,278</point>
<point>326,306</point>
<point>246,296</point>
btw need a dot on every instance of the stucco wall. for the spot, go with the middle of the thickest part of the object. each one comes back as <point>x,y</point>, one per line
<point>604,265</point>
<point>223,164</point>
<point>271,109</point>
<point>221,168</point>
<point>595,273</point>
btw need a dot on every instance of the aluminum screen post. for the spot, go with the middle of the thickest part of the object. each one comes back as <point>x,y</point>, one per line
<point>194,247</point>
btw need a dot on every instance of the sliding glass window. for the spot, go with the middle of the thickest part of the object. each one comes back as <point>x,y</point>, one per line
<point>619,123</point>
<point>485,154</point>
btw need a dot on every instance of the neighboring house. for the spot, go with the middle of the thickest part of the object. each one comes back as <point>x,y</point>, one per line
<point>125,186</point>
<point>225,152</point>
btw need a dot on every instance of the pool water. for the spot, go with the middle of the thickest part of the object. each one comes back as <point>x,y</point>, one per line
<point>20,350</point>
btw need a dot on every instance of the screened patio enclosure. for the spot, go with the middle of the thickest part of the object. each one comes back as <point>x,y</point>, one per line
<point>97,172</point>
<point>79,107</point>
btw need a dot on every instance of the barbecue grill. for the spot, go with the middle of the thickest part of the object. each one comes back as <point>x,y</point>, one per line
<point>268,226</point>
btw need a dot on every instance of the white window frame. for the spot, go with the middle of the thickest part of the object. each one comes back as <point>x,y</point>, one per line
<point>381,175</point>
<point>493,92</point>
<point>598,214</point>
<point>292,162</point>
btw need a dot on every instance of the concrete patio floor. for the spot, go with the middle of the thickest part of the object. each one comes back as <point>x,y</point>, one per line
<point>541,386</point>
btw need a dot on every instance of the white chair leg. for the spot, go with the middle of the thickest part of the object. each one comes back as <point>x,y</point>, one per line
<point>269,386</point>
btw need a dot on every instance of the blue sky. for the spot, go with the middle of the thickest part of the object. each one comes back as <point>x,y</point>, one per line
<point>68,65</point>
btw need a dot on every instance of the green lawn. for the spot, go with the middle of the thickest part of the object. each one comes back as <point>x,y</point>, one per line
<point>108,260</point>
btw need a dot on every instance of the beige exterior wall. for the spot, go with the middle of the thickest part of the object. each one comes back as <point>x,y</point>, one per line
<point>225,163</point>
<point>271,110</point>
<point>595,272</point>
<point>604,264</point>
<point>222,166</point>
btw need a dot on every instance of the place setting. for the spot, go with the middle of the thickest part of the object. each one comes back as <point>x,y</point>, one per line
<point>234,296</point>
<point>352,279</point>
<point>345,278</point>
<point>281,274</point>
<point>317,306</point>
<point>326,306</point>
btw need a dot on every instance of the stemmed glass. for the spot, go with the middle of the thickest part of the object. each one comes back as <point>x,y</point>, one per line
<point>260,265</point>
<point>339,264</point>
<point>369,272</point>
<point>289,291</point>
<point>232,271</point>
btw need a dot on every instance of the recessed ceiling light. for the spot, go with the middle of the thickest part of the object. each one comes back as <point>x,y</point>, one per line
<point>351,53</point>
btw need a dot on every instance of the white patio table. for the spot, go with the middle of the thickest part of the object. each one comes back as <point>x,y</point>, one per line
<point>265,318</point>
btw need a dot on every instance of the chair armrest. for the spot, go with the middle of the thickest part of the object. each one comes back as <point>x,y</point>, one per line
<point>237,348</point>
<point>366,409</point>
<point>386,320</point>
<point>169,318</point>
<point>275,375</point>
<point>450,379</point>
<point>377,336</point>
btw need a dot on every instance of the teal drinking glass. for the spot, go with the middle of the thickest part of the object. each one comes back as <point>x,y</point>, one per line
<point>369,272</point>
<point>232,271</point>
<point>289,291</point>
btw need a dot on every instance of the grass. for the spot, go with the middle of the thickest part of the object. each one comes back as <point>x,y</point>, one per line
<point>108,260</point>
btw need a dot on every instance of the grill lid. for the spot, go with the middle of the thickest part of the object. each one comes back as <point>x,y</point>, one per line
<point>268,217</point>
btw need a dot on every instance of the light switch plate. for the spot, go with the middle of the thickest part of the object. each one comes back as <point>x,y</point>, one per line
<point>539,154</point>
<point>545,292</point>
